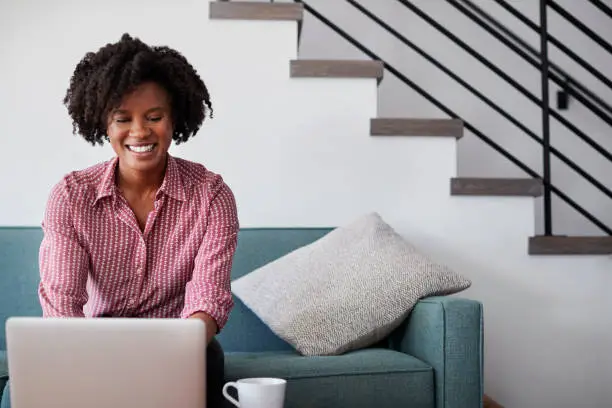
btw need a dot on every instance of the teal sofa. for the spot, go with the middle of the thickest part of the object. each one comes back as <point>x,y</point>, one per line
<point>433,360</point>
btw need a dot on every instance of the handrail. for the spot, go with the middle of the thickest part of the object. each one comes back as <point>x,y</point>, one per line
<point>533,61</point>
<point>579,60</point>
<point>587,139</point>
<point>600,5</point>
<point>481,96</point>
<point>452,114</point>
<point>580,25</point>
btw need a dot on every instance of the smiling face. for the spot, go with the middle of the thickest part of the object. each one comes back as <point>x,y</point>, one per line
<point>140,130</point>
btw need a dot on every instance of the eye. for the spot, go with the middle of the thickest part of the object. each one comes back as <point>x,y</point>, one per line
<point>121,120</point>
<point>155,119</point>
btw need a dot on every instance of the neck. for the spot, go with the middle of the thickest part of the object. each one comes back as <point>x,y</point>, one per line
<point>141,183</point>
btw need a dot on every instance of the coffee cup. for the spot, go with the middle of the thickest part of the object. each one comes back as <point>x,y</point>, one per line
<point>257,392</point>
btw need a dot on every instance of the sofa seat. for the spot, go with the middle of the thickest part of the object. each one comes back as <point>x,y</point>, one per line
<point>364,378</point>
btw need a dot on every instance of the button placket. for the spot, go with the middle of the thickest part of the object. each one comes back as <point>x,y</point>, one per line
<point>157,205</point>
<point>125,213</point>
<point>138,278</point>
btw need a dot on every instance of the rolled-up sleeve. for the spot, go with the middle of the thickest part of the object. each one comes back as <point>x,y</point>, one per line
<point>209,289</point>
<point>63,262</point>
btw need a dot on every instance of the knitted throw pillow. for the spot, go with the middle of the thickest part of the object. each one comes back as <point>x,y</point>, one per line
<point>345,291</point>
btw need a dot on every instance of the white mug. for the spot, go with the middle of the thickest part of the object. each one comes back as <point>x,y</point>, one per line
<point>258,392</point>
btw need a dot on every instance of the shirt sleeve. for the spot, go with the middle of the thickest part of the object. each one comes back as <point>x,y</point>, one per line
<point>209,289</point>
<point>63,262</point>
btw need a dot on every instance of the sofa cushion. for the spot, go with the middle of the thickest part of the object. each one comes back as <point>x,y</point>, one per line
<point>365,378</point>
<point>347,290</point>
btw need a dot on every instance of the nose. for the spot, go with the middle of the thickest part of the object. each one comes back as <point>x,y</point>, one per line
<point>139,129</point>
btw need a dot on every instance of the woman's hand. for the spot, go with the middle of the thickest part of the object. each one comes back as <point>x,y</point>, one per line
<point>211,325</point>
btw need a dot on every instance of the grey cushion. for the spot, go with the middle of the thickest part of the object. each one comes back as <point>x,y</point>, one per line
<point>345,291</point>
<point>360,379</point>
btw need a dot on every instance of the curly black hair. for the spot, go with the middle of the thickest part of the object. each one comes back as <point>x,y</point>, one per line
<point>101,79</point>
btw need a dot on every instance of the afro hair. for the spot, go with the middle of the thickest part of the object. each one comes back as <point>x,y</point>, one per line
<point>101,80</point>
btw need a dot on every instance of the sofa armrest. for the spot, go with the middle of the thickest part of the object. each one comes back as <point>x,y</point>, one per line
<point>447,333</point>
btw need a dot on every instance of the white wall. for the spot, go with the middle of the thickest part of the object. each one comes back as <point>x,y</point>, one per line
<point>475,157</point>
<point>297,152</point>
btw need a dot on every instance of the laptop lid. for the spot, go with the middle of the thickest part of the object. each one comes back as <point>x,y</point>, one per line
<point>102,363</point>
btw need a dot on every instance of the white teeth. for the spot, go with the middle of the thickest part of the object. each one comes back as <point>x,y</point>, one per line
<point>141,149</point>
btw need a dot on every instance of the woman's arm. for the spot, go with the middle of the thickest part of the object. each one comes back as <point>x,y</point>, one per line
<point>208,294</point>
<point>63,261</point>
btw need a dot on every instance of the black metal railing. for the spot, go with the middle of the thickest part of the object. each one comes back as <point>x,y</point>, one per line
<point>554,41</point>
<point>538,59</point>
<point>544,104</point>
<point>578,24</point>
<point>601,6</point>
<point>505,76</point>
<point>482,97</point>
<point>562,78</point>
<point>545,117</point>
<point>573,87</point>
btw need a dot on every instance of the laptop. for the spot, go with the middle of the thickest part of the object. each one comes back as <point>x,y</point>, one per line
<point>104,363</point>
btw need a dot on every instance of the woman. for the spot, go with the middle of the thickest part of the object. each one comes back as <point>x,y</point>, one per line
<point>144,234</point>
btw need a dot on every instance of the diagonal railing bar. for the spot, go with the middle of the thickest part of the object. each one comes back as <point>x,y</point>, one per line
<point>587,139</point>
<point>580,25</point>
<point>481,96</point>
<point>601,6</point>
<point>531,60</point>
<point>579,60</point>
<point>564,197</point>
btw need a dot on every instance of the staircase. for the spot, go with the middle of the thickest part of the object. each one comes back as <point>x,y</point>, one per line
<point>331,158</point>
<point>420,127</point>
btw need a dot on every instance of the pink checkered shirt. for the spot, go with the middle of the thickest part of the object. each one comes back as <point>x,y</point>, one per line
<point>95,261</point>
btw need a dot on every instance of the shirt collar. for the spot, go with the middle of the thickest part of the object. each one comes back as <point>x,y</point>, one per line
<point>173,182</point>
<point>172,185</point>
<point>107,185</point>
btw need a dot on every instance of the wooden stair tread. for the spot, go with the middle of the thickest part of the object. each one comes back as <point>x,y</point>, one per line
<point>416,127</point>
<point>570,245</point>
<point>337,69</point>
<point>519,187</point>
<point>239,10</point>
